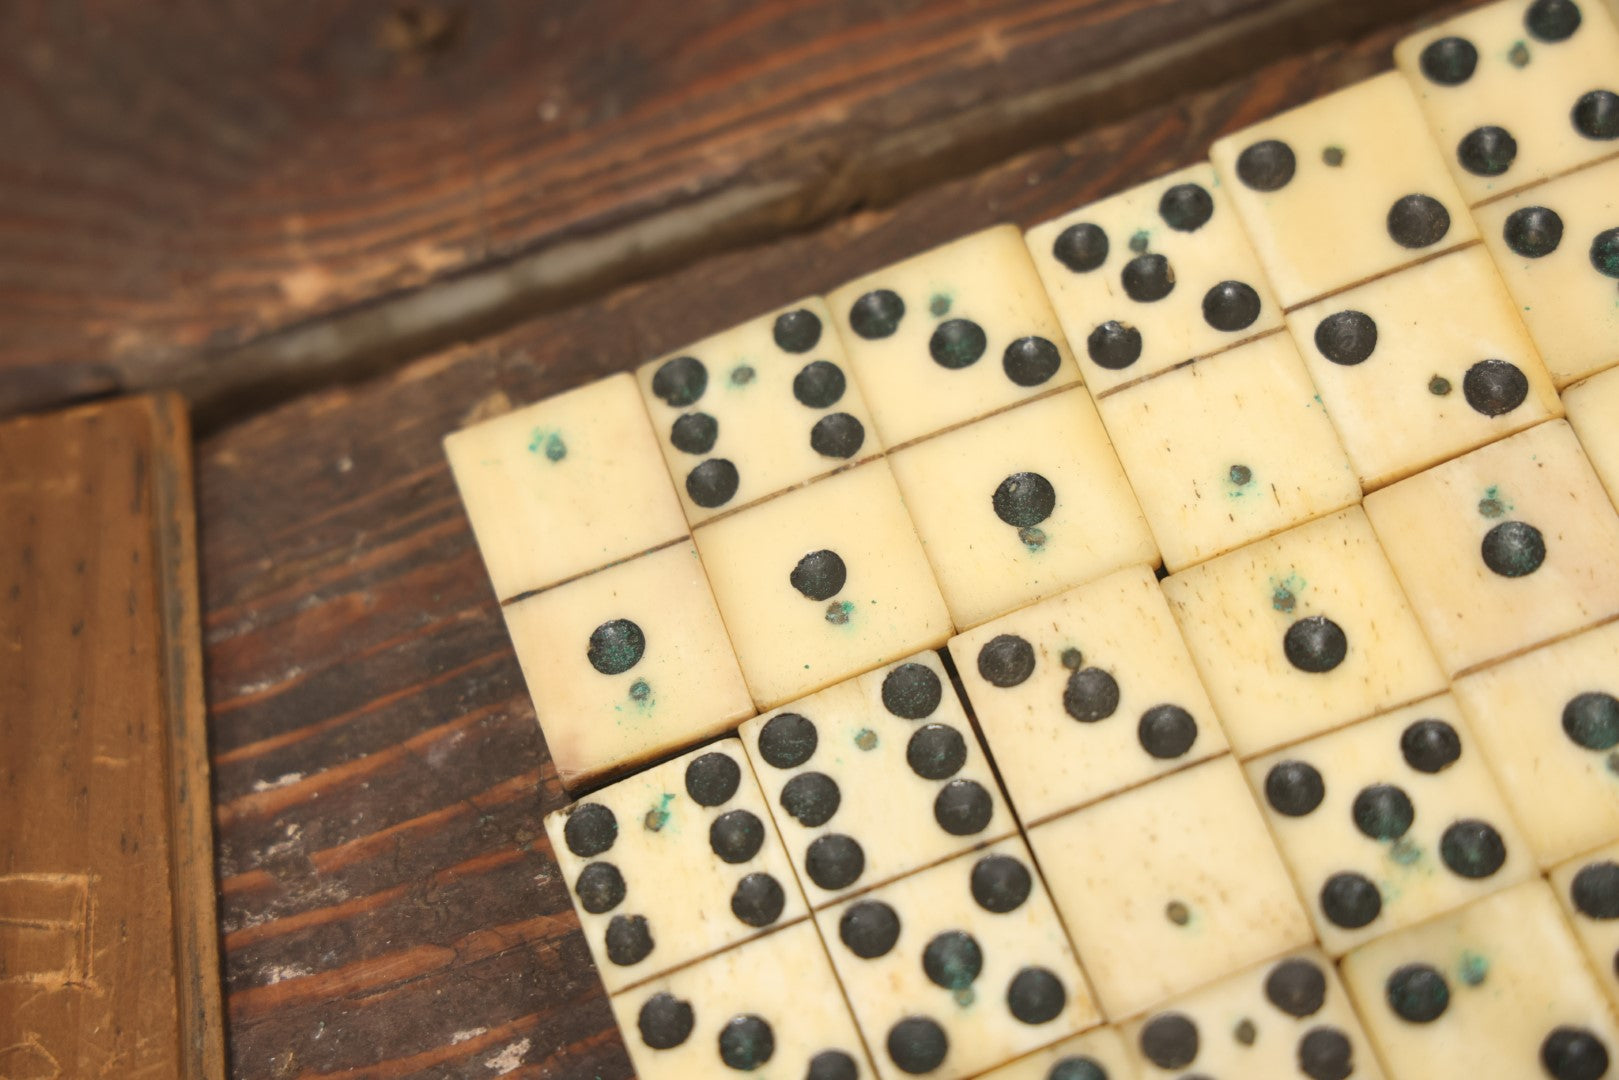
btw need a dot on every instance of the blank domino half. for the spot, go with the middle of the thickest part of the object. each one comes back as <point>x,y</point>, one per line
<point>1257,527</point>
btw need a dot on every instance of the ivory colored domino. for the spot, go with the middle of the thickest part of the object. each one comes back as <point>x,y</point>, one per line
<point>1153,277</point>
<point>1557,247</point>
<point>565,486</point>
<point>1229,450</point>
<point>1495,991</point>
<point>1588,888</point>
<point>951,334</point>
<point>768,1009</point>
<point>1302,633</point>
<point>1086,694</point>
<point>958,968</point>
<point>1504,548</point>
<point>1283,1019</point>
<point>1169,886</point>
<point>1021,505</point>
<point>1593,412</point>
<point>1099,1054</point>
<point>1342,189</point>
<point>1549,725</point>
<point>1423,365</point>
<point>823,583</point>
<point>1370,694</point>
<point>875,777</point>
<point>674,863</point>
<point>1389,822</point>
<point>1518,90</point>
<point>627,663</point>
<point>754,410</point>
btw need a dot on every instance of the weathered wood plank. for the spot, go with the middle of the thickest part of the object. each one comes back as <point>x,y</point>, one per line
<point>240,199</point>
<point>379,774</point>
<point>109,958</point>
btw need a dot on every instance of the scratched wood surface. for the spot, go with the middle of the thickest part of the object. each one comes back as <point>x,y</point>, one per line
<point>243,198</point>
<point>108,945</point>
<point>390,905</point>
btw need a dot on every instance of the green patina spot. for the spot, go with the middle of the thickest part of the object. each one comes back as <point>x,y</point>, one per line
<point>964,997</point>
<point>1472,968</point>
<point>940,303</point>
<point>1239,481</point>
<point>1333,156</point>
<point>742,375</point>
<point>1404,852</point>
<point>657,817</point>
<point>1177,913</point>
<point>1073,659</point>
<point>1284,592</point>
<point>1438,386</point>
<point>954,972</point>
<point>1034,539</point>
<point>617,655</point>
<point>866,739</point>
<point>641,694</point>
<point>549,443</point>
<point>1140,240</point>
<point>839,612</point>
<point>1518,55</point>
<point>1494,504</point>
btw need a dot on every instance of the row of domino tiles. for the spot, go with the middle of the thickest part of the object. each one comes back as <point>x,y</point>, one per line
<point>1460,540</point>
<point>850,480</point>
<point>845,891</point>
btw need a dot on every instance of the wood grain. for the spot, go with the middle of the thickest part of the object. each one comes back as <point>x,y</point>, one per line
<point>241,199</point>
<point>391,907</point>
<point>109,961</point>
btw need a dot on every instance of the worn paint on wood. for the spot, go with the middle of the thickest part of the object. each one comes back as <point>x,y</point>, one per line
<point>108,947</point>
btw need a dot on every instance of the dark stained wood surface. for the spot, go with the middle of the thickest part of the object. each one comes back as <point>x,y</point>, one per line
<point>390,904</point>
<point>109,955</point>
<point>242,198</point>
